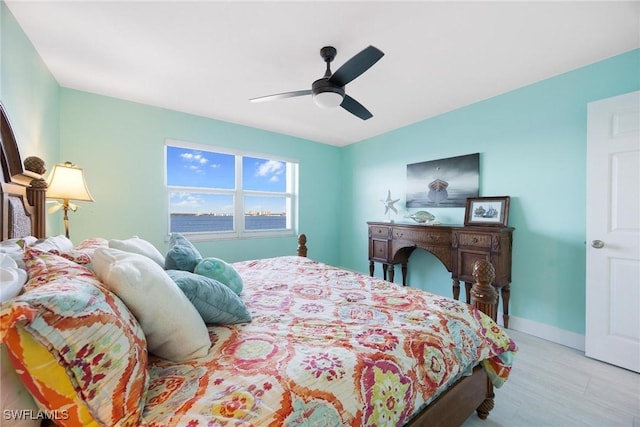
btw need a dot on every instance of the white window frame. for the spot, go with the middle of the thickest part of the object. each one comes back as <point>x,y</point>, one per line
<point>238,194</point>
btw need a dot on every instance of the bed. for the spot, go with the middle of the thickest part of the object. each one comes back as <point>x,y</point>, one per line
<point>305,344</point>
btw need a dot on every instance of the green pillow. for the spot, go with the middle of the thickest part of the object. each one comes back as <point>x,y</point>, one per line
<point>217,269</point>
<point>182,254</point>
<point>215,302</point>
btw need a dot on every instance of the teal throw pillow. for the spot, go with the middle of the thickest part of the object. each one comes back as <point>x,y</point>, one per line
<point>182,254</point>
<point>215,302</point>
<point>223,272</point>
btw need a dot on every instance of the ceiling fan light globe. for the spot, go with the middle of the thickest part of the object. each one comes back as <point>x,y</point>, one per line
<point>328,99</point>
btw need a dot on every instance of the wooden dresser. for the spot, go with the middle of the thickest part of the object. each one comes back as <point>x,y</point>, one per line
<point>457,247</point>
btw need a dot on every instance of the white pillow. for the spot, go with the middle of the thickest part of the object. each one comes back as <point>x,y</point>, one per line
<point>10,245</point>
<point>171,324</point>
<point>138,246</point>
<point>60,243</point>
<point>12,278</point>
<point>15,250</point>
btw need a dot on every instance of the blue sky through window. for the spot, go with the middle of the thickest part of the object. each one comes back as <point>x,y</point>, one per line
<point>188,167</point>
<point>195,168</point>
<point>264,175</point>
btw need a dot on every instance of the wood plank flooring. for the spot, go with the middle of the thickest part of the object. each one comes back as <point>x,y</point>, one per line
<point>552,385</point>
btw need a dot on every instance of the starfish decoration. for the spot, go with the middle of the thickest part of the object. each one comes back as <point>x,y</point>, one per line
<point>388,204</point>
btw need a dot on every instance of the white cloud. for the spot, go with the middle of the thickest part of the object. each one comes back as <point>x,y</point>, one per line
<point>185,200</point>
<point>194,160</point>
<point>271,168</point>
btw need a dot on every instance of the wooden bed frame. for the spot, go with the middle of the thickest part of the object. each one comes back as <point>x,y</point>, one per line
<point>17,190</point>
<point>451,408</point>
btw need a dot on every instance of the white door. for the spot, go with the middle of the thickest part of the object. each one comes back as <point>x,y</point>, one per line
<point>613,231</point>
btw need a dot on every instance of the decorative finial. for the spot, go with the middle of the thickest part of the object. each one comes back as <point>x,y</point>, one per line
<point>35,164</point>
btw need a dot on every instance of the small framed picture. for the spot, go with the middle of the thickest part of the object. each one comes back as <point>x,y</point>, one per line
<point>487,211</point>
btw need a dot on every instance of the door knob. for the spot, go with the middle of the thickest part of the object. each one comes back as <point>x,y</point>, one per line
<point>597,244</point>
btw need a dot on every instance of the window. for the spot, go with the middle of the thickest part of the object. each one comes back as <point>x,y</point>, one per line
<point>218,193</point>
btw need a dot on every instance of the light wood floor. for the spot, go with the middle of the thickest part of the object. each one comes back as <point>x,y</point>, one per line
<point>552,385</point>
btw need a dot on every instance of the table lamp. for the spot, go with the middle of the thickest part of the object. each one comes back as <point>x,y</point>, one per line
<point>66,182</point>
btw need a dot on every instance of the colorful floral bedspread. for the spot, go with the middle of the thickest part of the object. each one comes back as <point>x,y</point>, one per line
<point>326,347</point>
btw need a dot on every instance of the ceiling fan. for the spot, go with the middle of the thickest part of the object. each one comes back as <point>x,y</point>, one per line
<point>328,91</point>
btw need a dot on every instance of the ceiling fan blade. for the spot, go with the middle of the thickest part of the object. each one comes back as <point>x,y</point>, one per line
<point>355,108</point>
<point>357,65</point>
<point>282,95</point>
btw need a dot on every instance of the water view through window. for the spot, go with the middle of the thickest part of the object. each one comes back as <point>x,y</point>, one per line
<point>213,192</point>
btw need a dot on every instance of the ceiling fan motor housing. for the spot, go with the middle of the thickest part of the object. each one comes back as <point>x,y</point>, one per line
<point>327,94</point>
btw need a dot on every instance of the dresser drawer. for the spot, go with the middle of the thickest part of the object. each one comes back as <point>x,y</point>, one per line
<point>424,236</point>
<point>477,240</point>
<point>379,231</point>
<point>379,250</point>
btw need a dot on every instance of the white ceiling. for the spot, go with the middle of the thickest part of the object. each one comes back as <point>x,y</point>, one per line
<point>209,57</point>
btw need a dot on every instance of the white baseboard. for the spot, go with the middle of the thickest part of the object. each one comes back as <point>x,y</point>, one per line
<point>547,332</point>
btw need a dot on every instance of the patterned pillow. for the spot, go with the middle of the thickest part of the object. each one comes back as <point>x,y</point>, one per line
<point>80,254</point>
<point>91,244</point>
<point>76,256</point>
<point>46,380</point>
<point>84,251</point>
<point>76,346</point>
<point>43,267</point>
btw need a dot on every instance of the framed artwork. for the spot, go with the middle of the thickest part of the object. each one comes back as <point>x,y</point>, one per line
<point>489,211</point>
<point>444,183</point>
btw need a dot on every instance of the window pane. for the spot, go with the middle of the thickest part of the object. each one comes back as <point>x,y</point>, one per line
<point>265,213</point>
<point>263,174</point>
<point>187,167</point>
<point>200,212</point>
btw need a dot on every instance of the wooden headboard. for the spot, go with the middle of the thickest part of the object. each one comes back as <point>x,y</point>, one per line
<point>22,190</point>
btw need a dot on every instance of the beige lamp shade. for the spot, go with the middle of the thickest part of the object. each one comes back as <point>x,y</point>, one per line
<point>66,182</point>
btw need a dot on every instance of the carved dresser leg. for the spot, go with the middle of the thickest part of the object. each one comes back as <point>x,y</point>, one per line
<point>506,294</point>
<point>404,274</point>
<point>456,289</point>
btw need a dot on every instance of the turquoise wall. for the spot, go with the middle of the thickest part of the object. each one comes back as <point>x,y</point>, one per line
<point>120,145</point>
<point>28,91</point>
<point>532,145</point>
